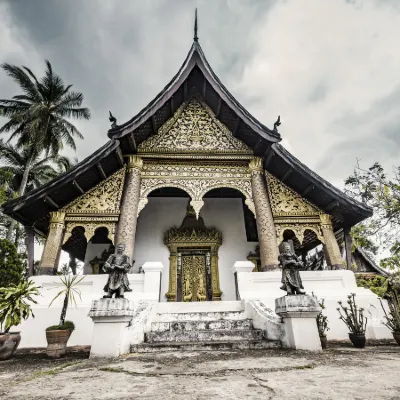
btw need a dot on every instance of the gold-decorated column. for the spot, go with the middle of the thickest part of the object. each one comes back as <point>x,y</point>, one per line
<point>52,248</point>
<point>126,231</point>
<point>269,251</point>
<point>334,258</point>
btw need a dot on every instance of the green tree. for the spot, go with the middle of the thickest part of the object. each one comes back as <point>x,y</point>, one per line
<point>376,189</point>
<point>40,114</point>
<point>26,169</point>
<point>12,266</point>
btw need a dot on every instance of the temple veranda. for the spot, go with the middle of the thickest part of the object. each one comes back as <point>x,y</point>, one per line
<point>202,195</point>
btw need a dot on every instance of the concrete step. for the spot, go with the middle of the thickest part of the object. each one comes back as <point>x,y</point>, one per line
<point>219,324</point>
<point>204,336</point>
<point>199,306</point>
<point>200,316</point>
<point>204,346</point>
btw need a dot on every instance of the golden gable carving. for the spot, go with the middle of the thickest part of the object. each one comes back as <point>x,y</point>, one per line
<point>285,201</point>
<point>104,198</point>
<point>194,128</point>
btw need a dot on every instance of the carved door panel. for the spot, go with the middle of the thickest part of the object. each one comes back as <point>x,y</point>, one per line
<point>194,276</point>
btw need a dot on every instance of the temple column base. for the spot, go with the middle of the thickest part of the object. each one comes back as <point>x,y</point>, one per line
<point>338,266</point>
<point>270,267</point>
<point>111,319</point>
<point>47,271</point>
<point>298,313</point>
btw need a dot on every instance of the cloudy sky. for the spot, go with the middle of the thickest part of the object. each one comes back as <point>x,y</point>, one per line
<point>330,68</point>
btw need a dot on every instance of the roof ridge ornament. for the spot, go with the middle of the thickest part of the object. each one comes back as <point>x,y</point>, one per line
<point>277,123</point>
<point>195,37</point>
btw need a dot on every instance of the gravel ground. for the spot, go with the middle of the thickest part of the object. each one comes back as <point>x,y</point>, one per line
<point>341,372</point>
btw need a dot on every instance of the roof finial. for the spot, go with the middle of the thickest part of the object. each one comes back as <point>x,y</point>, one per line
<point>195,38</point>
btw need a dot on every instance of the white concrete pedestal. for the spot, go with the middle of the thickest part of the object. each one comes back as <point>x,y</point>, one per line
<point>299,314</point>
<point>111,319</point>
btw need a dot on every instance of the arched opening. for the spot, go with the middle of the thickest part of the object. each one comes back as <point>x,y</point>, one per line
<point>168,192</point>
<point>290,236</point>
<point>76,244</point>
<point>248,216</point>
<point>314,253</point>
<point>99,248</point>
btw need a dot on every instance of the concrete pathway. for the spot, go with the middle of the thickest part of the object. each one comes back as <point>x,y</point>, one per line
<point>338,373</point>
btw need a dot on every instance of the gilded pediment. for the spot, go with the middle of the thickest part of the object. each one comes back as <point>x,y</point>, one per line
<point>104,198</point>
<point>194,128</point>
<point>285,201</point>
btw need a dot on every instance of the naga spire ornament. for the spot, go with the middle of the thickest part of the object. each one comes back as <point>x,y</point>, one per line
<point>195,37</point>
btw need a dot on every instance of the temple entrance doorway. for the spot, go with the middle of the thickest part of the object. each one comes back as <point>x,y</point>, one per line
<point>193,270</point>
<point>194,275</point>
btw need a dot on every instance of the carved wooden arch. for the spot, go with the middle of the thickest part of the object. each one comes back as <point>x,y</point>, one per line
<point>299,230</point>
<point>239,186</point>
<point>89,228</point>
<point>147,188</point>
<point>196,188</point>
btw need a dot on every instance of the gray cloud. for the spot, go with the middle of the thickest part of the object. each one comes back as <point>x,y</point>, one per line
<point>329,68</point>
<point>318,92</point>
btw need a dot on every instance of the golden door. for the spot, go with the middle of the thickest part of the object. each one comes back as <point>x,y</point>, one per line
<point>194,277</point>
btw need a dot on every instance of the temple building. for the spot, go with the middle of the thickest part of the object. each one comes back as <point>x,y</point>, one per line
<point>195,182</point>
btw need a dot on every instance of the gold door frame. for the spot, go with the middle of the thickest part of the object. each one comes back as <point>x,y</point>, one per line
<point>196,237</point>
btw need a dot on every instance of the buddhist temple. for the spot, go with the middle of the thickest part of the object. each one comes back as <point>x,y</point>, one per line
<point>195,182</point>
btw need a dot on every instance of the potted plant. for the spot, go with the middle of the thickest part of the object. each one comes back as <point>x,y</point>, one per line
<point>15,306</point>
<point>322,324</point>
<point>57,335</point>
<point>393,317</point>
<point>355,320</point>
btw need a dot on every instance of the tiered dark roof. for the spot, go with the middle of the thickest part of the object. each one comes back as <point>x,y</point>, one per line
<point>194,77</point>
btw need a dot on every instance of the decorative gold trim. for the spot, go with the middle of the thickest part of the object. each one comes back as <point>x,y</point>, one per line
<point>256,165</point>
<point>194,129</point>
<point>104,198</point>
<point>211,157</point>
<point>134,162</point>
<point>57,217</point>
<point>326,220</point>
<point>196,180</point>
<point>286,202</point>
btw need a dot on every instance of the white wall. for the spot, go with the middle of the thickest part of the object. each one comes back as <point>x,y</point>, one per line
<point>329,285</point>
<point>145,287</point>
<point>161,213</point>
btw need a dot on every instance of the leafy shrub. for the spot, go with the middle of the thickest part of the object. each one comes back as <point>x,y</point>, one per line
<point>377,284</point>
<point>322,320</point>
<point>67,325</point>
<point>353,316</point>
<point>12,267</point>
<point>15,303</point>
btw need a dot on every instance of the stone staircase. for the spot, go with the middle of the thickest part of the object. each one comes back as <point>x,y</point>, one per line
<point>201,326</point>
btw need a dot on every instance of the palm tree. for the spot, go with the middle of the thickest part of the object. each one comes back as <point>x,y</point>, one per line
<point>39,115</point>
<point>29,169</point>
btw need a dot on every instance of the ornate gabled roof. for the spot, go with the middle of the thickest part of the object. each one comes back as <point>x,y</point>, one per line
<point>195,79</point>
<point>373,265</point>
<point>33,208</point>
<point>194,76</point>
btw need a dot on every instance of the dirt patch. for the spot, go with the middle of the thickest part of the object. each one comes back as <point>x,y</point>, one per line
<point>338,373</point>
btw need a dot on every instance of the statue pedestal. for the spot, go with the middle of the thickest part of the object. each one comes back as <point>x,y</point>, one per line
<point>299,314</point>
<point>111,319</point>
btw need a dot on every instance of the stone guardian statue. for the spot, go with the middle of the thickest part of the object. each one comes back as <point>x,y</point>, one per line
<point>291,266</point>
<point>117,266</point>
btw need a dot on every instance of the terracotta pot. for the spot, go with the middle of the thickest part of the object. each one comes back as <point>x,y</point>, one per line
<point>8,344</point>
<point>57,343</point>
<point>358,340</point>
<point>324,341</point>
<point>396,336</point>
